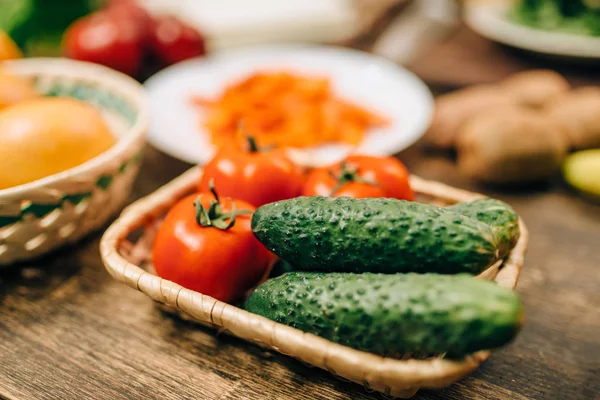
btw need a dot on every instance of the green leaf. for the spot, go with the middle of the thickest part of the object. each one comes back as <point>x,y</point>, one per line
<point>14,15</point>
<point>571,8</point>
<point>38,25</point>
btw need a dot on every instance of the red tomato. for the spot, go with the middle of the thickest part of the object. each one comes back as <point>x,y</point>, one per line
<point>172,41</point>
<point>101,39</point>
<point>361,176</point>
<point>216,261</point>
<point>321,183</point>
<point>258,177</point>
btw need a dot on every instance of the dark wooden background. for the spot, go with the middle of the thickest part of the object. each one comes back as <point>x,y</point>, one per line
<point>68,331</point>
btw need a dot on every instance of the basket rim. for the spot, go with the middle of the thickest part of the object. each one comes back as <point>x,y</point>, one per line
<point>101,75</point>
<point>407,373</point>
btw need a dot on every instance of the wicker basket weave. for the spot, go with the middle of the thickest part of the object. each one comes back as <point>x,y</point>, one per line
<point>42,215</point>
<point>125,250</point>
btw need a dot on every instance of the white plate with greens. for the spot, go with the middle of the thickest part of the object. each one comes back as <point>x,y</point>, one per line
<point>540,29</point>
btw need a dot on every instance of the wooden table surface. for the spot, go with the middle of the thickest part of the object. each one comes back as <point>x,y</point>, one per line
<point>68,331</point>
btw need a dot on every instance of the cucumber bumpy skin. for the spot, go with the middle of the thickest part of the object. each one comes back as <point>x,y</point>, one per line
<point>393,314</point>
<point>501,217</point>
<point>374,235</point>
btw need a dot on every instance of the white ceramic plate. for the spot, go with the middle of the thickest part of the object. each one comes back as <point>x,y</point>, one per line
<point>378,84</point>
<point>490,20</point>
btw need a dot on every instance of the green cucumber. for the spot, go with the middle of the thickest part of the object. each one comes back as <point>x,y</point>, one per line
<point>503,219</point>
<point>374,235</point>
<point>280,268</point>
<point>395,314</point>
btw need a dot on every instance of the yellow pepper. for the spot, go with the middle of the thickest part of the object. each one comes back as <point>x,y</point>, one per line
<point>8,48</point>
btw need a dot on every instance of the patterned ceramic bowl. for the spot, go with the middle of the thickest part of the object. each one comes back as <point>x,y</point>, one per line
<point>40,216</point>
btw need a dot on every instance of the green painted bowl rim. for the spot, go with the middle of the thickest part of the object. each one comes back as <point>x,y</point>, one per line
<point>108,78</point>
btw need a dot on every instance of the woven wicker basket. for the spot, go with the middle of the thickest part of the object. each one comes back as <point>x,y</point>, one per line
<point>125,250</point>
<point>42,215</point>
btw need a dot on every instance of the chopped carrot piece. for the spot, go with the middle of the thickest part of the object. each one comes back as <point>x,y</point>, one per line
<point>286,110</point>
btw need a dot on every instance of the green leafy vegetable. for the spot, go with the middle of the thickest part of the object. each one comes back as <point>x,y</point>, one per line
<point>39,24</point>
<point>572,16</point>
<point>592,22</point>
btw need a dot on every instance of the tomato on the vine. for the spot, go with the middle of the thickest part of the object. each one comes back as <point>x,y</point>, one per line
<point>361,176</point>
<point>206,244</point>
<point>254,175</point>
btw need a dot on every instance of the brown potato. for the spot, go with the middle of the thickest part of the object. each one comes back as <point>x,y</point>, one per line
<point>533,88</point>
<point>452,109</point>
<point>14,89</point>
<point>578,112</point>
<point>530,88</point>
<point>510,145</point>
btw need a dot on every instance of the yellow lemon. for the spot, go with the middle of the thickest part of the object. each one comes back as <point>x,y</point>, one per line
<point>45,136</point>
<point>14,89</point>
<point>582,171</point>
